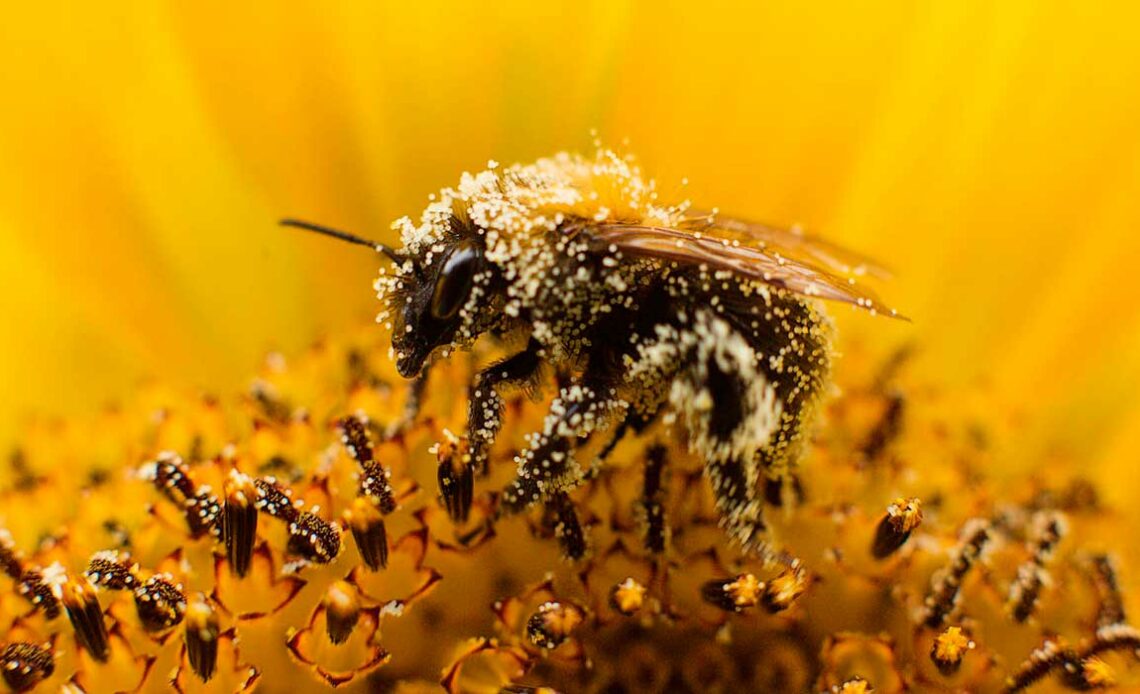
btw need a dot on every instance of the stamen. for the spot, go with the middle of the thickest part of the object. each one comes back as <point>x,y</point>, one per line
<point>160,603</point>
<point>1031,576</point>
<point>1110,609</point>
<point>1039,664</point>
<point>112,570</point>
<point>783,590</point>
<point>734,594</point>
<point>171,477</point>
<point>369,533</point>
<point>627,597</point>
<point>35,589</point>
<point>903,516</point>
<point>342,611</point>
<point>86,617</point>
<point>374,480</point>
<point>314,539</point>
<point>24,665</point>
<point>456,481</point>
<point>949,649</point>
<point>552,624</point>
<point>946,585</point>
<point>202,638</point>
<point>855,685</point>
<point>275,499</point>
<point>239,522</point>
<point>11,561</point>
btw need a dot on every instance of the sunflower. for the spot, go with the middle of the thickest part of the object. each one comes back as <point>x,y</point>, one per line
<point>987,152</point>
<point>297,534</point>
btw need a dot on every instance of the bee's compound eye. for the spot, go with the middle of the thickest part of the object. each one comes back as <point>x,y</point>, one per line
<point>455,279</point>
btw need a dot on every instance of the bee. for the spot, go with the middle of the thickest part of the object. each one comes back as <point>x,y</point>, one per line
<point>647,311</point>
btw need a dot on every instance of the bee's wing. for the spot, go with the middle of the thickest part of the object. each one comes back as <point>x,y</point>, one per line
<point>791,243</point>
<point>745,259</point>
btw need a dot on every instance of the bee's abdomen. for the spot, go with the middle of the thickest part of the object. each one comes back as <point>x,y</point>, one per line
<point>793,343</point>
<point>741,373</point>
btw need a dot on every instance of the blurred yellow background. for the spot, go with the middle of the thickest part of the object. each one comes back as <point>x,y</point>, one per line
<point>988,152</point>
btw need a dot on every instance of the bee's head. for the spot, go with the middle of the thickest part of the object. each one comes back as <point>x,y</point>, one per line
<point>428,306</point>
<point>426,295</point>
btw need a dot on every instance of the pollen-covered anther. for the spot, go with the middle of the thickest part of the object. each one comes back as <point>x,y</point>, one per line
<point>160,603</point>
<point>456,479</point>
<point>36,590</point>
<point>342,611</point>
<point>901,519</point>
<point>1110,608</point>
<point>1115,637</point>
<point>24,665</point>
<point>201,637</point>
<point>945,587</point>
<point>314,539</point>
<point>275,499</point>
<point>1086,674</point>
<point>1040,663</point>
<point>949,649</point>
<point>374,477</point>
<point>369,533</point>
<point>552,624</point>
<point>11,561</point>
<point>112,570</point>
<point>375,483</point>
<point>1079,670</point>
<point>82,605</point>
<point>239,522</point>
<point>627,597</point>
<point>783,590</point>
<point>1048,529</point>
<point>30,583</point>
<point>171,477</point>
<point>855,685</point>
<point>1090,673</point>
<point>1026,588</point>
<point>355,439</point>
<point>734,594</point>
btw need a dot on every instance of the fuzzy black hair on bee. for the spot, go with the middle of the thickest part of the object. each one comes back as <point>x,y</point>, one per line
<point>650,313</point>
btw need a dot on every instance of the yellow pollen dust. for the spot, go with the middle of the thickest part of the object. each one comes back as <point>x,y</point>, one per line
<point>952,645</point>
<point>906,514</point>
<point>1098,673</point>
<point>629,596</point>
<point>746,590</point>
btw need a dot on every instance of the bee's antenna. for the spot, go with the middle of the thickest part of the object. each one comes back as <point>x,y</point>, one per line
<point>392,254</point>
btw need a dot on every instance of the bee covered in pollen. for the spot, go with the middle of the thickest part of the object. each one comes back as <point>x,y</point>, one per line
<point>647,311</point>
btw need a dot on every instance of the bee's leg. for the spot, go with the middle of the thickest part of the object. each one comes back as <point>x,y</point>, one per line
<point>485,406</point>
<point>776,460</point>
<point>548,464</point>
<point>784,491</point>
<point>737,500</point>
<point>633,421</point>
